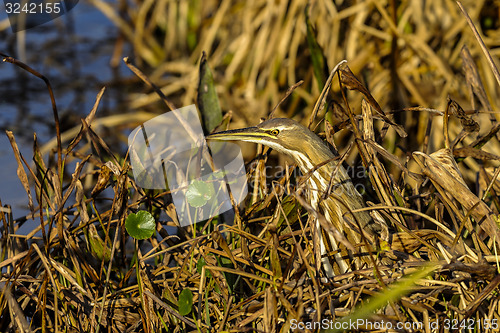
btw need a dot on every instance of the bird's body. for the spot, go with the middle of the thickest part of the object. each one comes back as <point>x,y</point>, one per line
<point>325,174</point>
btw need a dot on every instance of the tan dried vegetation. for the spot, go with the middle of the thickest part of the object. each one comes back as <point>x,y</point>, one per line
<point>412,67</point>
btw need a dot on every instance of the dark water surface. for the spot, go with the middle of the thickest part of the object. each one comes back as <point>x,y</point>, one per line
<point>74,53</point>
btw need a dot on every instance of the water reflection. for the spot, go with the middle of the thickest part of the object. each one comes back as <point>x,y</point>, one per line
<point>74,52</point>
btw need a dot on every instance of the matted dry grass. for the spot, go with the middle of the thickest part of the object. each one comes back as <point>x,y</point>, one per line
<point>436,188</point>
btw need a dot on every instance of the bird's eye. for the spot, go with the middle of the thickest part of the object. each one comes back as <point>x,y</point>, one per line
<point>275,132</point>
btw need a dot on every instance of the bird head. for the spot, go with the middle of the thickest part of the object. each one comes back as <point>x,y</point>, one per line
<point>285,136</point>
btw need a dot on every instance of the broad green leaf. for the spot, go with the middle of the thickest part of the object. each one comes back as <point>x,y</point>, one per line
<point>208,102</point>
<point>317,57</point>
<point>199,192</point>
<point>141,225</point>
<point>185,302</point>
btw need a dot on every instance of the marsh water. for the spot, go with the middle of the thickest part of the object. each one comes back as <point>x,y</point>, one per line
<point>75,53</point>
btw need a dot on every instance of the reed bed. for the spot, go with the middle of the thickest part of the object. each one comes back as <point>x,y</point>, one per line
<point>415,108</point>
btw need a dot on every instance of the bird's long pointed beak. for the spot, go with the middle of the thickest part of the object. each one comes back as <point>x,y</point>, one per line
<point>251,134</point>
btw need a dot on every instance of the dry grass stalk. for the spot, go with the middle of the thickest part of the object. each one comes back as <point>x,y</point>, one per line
<point>262,272</point>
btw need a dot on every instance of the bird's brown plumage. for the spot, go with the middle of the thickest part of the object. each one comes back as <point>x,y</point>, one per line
<point>309,152</point>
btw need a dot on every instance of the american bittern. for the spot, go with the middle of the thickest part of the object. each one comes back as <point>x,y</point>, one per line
<point>308,151</point>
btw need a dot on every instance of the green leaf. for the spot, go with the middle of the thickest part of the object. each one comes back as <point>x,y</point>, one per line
<point>219,174</point>
<point>97,246</point>
<point>199,267</point>
<point>141,225</point>
<point>290,208</point>
<point>208,102</point>
<point>317,57</point>
<point>199,192</point>
<point>393,293</point>
<point>185,302</point>
<point>231,278</point>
